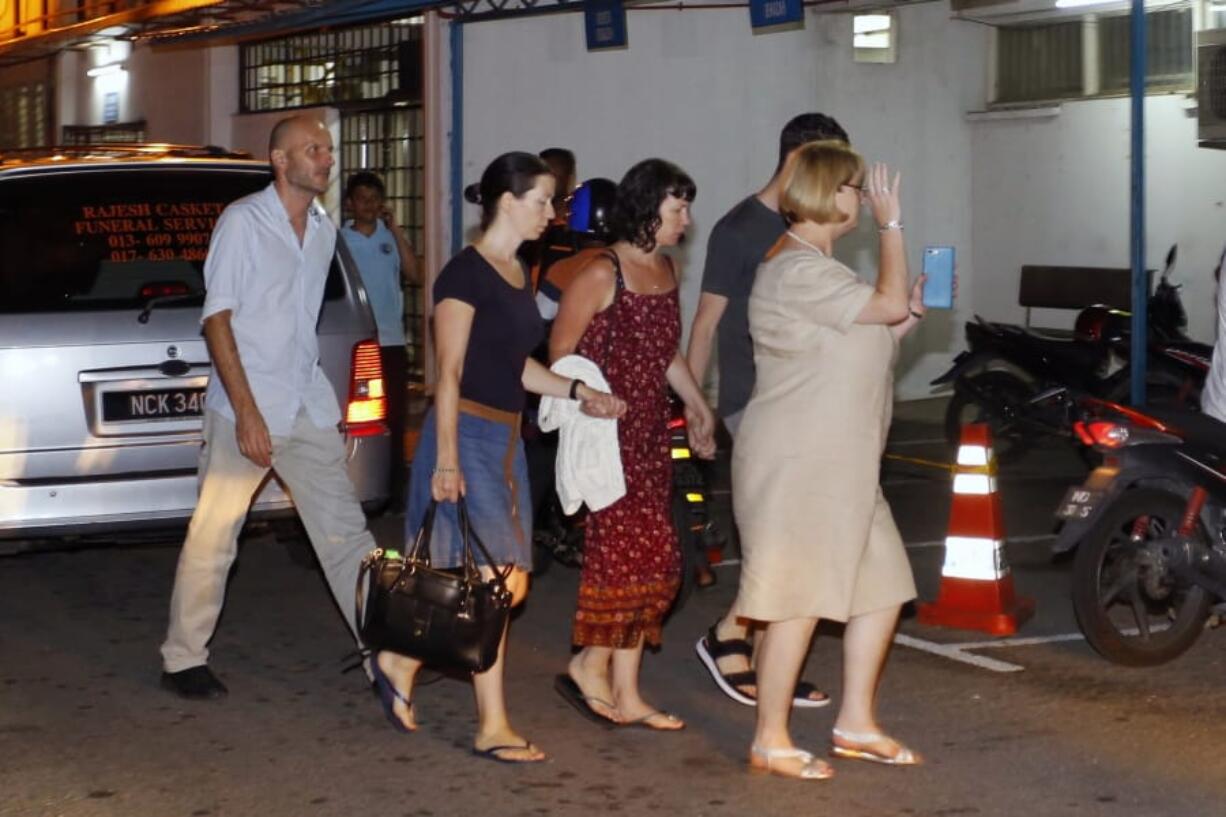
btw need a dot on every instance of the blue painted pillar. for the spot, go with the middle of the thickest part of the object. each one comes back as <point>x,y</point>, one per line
<point>1140,286</point>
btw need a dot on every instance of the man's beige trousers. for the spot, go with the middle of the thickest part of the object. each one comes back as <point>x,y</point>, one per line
<point>311,464</point>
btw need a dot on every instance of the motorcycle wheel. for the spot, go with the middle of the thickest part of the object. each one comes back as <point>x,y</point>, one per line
<point>1009,438</point>
<point>1130,610</point>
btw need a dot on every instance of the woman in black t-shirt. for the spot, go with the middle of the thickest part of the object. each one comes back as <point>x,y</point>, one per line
<point>485,325</point>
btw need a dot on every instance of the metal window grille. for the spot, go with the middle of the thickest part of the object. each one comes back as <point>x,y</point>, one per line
<point>374,73</point>
<point>390,142</point>
<point>103,134</point>
<point>320,68</point>
<point>24,119</point>
<point>1169,52</point>
<point>1037,62</point>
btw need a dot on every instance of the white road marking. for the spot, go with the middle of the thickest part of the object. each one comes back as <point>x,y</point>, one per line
<point>1020,642</point>
<point>961,651</point>
<point>954,652</point>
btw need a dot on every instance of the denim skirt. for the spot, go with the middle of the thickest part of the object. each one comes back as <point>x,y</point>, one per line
<point>496,478</point>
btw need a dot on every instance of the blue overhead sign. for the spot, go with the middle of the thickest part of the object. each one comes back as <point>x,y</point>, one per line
<point>605,24</point>
<point>771,13</point>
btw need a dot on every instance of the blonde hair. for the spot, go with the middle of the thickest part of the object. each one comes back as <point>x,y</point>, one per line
<point>812,178</point>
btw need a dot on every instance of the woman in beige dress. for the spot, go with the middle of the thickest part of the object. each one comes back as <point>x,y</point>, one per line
<point>817,536</point>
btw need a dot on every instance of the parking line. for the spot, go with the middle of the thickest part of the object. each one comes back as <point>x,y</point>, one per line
<point>955,652</point>
<point>1021,642</point>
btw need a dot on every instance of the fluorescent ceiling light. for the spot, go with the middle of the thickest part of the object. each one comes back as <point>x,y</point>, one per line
<point>105,70</point>
<point>1076,4</point>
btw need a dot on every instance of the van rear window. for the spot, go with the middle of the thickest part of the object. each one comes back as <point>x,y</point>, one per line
<point>107,240</point>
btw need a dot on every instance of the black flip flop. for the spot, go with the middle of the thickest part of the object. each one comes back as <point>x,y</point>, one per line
<point>388,695</point>
<point>492,754</point>
<point>570,692</point>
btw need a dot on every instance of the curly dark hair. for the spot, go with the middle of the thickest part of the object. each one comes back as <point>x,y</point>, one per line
<point>636,215</point>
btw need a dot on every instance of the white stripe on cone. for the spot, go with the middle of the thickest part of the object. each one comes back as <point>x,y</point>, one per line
<point>974,557</point>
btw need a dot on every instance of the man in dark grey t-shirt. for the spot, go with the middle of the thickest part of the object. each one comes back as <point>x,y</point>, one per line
<point>738,244</point>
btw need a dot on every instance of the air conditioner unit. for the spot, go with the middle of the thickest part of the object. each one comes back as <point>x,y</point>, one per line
<point>1211,87</point>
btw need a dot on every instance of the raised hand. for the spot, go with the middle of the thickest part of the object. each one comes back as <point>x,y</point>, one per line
<point>882,194</point>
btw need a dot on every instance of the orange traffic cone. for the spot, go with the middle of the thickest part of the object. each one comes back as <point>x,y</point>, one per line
<point>976,585</point>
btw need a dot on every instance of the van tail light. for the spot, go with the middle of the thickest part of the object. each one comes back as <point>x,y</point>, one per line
<point>366,412</point>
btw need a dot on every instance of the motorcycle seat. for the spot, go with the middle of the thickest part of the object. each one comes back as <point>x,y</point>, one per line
<point>1088,356</point>
<point>1195,428</point>
<point>1042,333</point>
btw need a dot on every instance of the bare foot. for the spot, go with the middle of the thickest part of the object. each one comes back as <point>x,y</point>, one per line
<point>508,747</point>
<point>653,719</point>
<point>788,761</point>
<point>401,671</point>
<point>872,745</point>
<point>632,710</point>
<point>595,687</point>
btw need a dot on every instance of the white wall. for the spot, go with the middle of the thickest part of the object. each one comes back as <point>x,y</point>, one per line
<point>699,88</point>
<point>1056,191</point>
<point>167,89</point>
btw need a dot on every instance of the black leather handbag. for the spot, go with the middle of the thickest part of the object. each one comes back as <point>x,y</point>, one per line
<point>446,618</point>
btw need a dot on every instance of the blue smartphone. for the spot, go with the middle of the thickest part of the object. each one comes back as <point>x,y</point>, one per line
<point>939,267</point>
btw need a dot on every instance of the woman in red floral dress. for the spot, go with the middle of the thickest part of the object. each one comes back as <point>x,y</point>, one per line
<point>622,313</point>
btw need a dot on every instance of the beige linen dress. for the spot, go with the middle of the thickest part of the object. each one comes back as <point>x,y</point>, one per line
<point>817,536</point>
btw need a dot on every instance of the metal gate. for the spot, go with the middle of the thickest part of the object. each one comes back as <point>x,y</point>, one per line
<point>390,142</point>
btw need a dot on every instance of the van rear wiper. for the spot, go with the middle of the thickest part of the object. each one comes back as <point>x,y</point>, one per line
<point>158,300</point>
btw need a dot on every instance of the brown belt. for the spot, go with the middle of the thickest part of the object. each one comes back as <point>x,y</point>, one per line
<point>511,420</point>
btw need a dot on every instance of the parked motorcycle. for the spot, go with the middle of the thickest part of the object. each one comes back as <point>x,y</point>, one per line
<point>1009,374</point>
<point>1149,528</point>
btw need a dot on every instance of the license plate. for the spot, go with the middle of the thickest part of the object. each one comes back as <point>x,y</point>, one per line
<point>1078,503</point>
<point>156,404</point>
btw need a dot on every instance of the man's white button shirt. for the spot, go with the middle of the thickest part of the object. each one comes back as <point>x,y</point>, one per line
<point>273,287</point>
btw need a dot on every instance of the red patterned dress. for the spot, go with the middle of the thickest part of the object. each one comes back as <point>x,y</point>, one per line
<point>631,560</point>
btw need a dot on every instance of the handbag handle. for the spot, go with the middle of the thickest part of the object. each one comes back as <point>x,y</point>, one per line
<point>420,552</point>
<point>468,534</point>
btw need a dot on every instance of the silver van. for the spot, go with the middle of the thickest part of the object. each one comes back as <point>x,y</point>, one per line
<point>102,361</point>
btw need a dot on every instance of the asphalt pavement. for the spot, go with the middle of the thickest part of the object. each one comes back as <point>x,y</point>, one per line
<point>1044,726</point>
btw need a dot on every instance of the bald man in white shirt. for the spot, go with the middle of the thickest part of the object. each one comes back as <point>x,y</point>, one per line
<point>269,405</point>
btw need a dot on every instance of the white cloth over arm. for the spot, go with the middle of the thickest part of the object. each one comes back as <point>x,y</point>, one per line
<point>589,465</point>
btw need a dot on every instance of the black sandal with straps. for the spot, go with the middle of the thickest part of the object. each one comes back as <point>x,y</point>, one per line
<point>710,649</point>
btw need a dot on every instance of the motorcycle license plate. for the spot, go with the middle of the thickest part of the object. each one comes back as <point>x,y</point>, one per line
<point>1078,503</point>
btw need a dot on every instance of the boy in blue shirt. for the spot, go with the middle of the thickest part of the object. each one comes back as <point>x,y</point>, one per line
<point>386,262</point>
